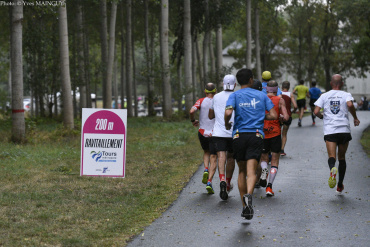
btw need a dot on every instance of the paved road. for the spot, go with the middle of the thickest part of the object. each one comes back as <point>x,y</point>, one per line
<point>304,211</point>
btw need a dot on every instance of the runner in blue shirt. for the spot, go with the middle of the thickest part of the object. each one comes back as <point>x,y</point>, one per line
<point>314,95</point>
<point>250,108</point>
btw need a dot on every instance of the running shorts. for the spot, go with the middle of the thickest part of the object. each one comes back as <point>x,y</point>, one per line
<point>247,146</point>
<point>287,123</point>
<point>312,102</point>
<point>272,145</point>
<point>206,143</point>
<point>223,144</point>
<point>301,103</point>
<point>339,138</point>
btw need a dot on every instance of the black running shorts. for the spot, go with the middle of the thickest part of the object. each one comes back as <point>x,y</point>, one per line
<point>301,103</point>
<point>247,146</point>
<point>312,102</point>
<point>206,143</point>
<point>272,145</point>
<point>223,144</point>
<point>339,138</point>
<point>288,123</point>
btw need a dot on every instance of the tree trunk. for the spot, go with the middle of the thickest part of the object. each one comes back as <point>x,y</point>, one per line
<point>249,36</point>
<point>104,47</point>
<point>195,89</point>
<point>167,96</point>
<point>18,123</point>
<point>257,41</point>
<point>148,56</point>
<point>122,59</point>
<point>212,57</point>
<point>64,66</point>
<point>112,39</point>
<point>179,90</point>
<point>81,58</point>
<point>115,87</point>
<point>206,39</point>
<point>200,66</point>
<point>87,64</point>
<point>188,83</point>
<point>130,111</point>
<point>219,54</point>
<point>134,74</point>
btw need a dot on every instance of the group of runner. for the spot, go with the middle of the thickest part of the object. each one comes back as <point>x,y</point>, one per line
<point>246,126</point>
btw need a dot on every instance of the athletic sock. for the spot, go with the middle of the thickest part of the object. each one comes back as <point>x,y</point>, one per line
<point>263,164</point>
<point>209,181</point>
<point>222,177</point>
<point>273,172</point>
<point>342,171</point>
<point>331,162</point>
<point>205,168</point>
<point>228,181</point>
<point>313,117</point>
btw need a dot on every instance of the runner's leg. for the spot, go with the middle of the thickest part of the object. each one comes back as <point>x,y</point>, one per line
<point>242,180</point>
<point>221,164</point>
<point>284,136</point>
<point>251,173</point>
<point>342,149</point>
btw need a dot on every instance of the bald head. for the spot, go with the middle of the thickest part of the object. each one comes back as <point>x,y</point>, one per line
<point>336,81</point>
<point>210,86</point>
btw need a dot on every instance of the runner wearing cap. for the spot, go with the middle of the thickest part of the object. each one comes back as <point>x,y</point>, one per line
<point>302,92</point>
<point>222,138</point>
<point>205,131</point>
<point>314,95</point>
<point>272,141</point>
<point>266,77</point>
<point>289,100</point>
<point>337,132</point>
<point>249,106</point>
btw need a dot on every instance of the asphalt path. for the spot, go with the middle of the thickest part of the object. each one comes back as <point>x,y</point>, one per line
<point>303,212</point>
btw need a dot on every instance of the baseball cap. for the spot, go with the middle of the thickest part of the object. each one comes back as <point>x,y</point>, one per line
<point>229,82</point>
<point>266,75</point>
<point>257,85</point>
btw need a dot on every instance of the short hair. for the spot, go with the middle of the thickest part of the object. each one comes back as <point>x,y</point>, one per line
<point>243,76</point>
<point>301,82</point>
<point>313,83</point>
<point>210,86</point>
<point>336,79</point>
<point>257,85</point>
<point>285,85</point>
<point>272,84</point>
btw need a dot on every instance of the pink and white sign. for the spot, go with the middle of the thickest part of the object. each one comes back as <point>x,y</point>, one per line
<point>103,142</point>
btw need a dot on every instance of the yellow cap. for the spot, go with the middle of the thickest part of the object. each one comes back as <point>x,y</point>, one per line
<point>266,75</point>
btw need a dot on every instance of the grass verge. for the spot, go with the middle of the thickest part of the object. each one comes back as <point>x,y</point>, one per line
<point>365,140</point>
<point>45,202</point>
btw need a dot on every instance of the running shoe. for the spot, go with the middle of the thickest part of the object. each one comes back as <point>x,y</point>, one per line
<point>340,189</point>
<point>299,124</point>
<point>223,191</point>
<point>248,211</point>
<point>264,175</point>
<point>313,123</point>
<point>269,191</point>
<point>209,188</point>
<point>205,176</point>
<point>332,180</point>
<point>282,153</point>
<point>229,187</point>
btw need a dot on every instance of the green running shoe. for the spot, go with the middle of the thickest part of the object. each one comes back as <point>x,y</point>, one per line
<point>210,188</point>
<point>332,180</point>
<point>205,176</point>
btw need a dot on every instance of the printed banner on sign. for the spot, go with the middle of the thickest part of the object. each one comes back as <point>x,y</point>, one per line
<point>103,142</point>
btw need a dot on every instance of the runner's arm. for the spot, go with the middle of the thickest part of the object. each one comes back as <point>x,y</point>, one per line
<point>317,112</point>
<point>228,114</point>
<point>192,117</point>
<point>352,110</point>
<point>211,114</point>
<point>282,108</point>
<point>272,115</point>
<point>294,104</point>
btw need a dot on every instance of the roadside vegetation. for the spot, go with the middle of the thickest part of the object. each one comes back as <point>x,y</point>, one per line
<point>45,202</point>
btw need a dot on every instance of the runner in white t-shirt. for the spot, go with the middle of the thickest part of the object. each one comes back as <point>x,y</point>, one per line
<point>336,105</point>
<point>222,138</point>
<point>205,131</point>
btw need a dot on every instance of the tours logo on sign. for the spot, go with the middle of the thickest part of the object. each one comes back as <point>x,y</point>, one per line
<point>103,156</point>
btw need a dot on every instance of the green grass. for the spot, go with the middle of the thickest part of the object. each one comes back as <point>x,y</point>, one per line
<point>44,200</point>
<point>365,140</point>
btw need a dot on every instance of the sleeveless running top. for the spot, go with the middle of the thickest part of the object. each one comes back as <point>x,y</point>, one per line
<point>287,96</point>
<point>272,127</point>
<point>205,124</point>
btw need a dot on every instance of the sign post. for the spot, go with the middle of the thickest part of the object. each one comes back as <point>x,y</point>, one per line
<point>103,142</point>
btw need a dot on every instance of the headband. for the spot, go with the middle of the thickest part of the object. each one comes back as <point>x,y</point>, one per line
<point>272,89</point>
<point>212,91</point>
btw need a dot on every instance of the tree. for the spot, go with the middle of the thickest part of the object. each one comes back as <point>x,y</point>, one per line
<point>129,91</point>
<point>249,35</point>
<point>187,56</point>
<point>167,95</point>
<point>18,123</point>
<point>257,42</point>
<point>104,47</point>
<point>64,66</point>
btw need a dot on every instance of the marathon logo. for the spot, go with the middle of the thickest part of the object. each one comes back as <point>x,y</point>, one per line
<point>103,143</point>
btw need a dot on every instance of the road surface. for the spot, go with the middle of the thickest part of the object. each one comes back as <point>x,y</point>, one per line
<point>303,212</point>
